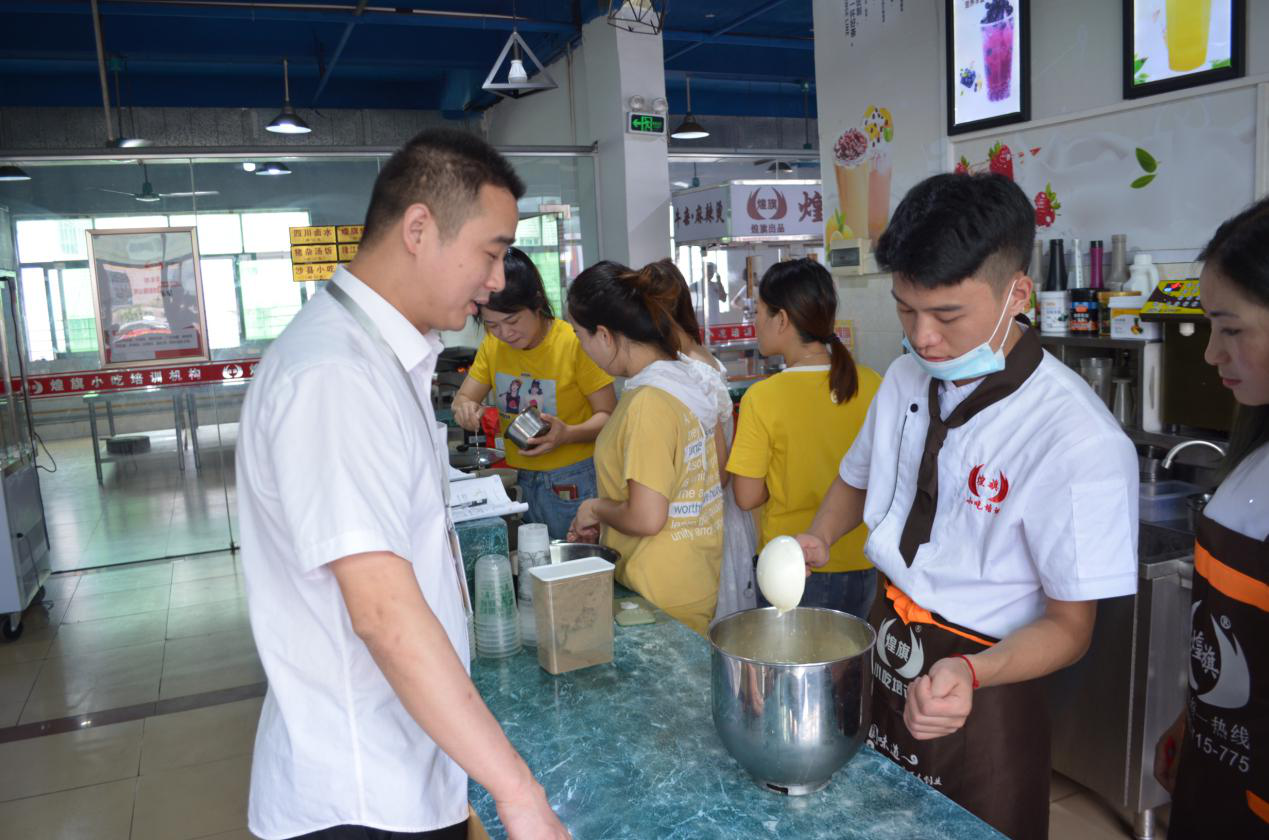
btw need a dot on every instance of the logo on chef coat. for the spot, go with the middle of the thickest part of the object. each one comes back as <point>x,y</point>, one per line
<point>1218,673</point>
<point>986,493</point>
<point>910,651</point>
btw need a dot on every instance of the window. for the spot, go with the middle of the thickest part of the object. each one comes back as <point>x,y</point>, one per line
<point>269,233</point>
<point>270,297</point>
<point>52,240</point>
<point>218,233</point>
<point>248,291</point>
<point>220,300</point>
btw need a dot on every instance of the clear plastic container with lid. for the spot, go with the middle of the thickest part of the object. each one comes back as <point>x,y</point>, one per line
<point>534,549</point>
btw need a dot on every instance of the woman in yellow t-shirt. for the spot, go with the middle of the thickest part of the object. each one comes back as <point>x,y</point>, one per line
<point>660,502</point>
<point>531,358</point>
<point>795,427</point>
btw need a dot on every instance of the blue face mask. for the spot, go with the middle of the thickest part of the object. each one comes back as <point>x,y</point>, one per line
<point>981,361</point>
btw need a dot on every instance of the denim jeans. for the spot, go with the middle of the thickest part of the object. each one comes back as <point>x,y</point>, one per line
<point>542,490</point>
<point>850,592</point>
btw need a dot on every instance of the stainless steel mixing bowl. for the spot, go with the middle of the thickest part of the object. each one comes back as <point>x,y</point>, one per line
<point>791,693</point>
<point>562,551</point>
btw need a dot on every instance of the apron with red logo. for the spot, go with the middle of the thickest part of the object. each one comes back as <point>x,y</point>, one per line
<point>1222,787</point>
<point>996,766</point>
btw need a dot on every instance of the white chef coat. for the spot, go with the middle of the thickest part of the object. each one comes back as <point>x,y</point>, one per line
<point>334,460</point>
<point>1065,526</point>
<point>1241,503</point>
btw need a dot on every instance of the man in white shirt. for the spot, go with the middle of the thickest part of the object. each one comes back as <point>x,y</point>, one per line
<point>356,594</point>
<point>1001,500</point>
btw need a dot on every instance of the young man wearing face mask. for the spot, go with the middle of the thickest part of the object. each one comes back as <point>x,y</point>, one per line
<point>1001,500</point>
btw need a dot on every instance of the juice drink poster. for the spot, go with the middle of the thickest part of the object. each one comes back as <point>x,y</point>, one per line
<point>1188,26</point>
<point>998,31</point>
<point>850,162</point>
<point>879,129</point>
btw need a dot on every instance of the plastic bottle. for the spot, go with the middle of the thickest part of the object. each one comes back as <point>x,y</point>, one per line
<point>1055,280</point>
<point>1095,256</point>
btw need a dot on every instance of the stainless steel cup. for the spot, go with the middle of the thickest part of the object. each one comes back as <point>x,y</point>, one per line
<point>527,425</point>
<point>792,693</point>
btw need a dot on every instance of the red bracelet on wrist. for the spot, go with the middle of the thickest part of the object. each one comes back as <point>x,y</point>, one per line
<point>973,674</point>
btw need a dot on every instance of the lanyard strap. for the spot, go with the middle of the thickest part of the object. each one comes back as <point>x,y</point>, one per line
<point>359,315</point>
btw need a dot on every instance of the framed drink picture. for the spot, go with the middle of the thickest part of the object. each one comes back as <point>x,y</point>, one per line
<point>1175,44</point>
<point>149,296</point>
<point>988,63</point>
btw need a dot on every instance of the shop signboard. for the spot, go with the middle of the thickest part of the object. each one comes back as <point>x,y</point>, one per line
<point>750,211</point>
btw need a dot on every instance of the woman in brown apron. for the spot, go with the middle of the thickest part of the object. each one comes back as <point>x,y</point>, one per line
<point>1215,758</point>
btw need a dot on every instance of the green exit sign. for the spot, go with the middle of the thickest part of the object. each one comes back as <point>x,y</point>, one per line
<point>645,124</point>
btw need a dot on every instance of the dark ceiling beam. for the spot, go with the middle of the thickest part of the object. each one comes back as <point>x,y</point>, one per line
<point>723,30</point>
<point>699,38</point>
<point>339,51</point>
<point>146,64</point>
<point>292,12</point>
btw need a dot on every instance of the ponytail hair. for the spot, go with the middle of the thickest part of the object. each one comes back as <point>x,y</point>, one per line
<point>639,305</point>
<point>684,313</point>
<point>803,290</point>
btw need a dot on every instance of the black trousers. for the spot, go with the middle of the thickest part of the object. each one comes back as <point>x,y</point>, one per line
<point>359,832</point>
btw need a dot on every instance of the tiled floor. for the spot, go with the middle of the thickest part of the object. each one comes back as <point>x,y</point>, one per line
<point>146,507</point>
<point>152,638</point>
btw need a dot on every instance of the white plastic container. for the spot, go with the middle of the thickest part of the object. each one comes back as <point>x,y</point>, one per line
<point>1125,319</point>
<point>1143,276</point>
<point>1055,312</point>
<point>572,602</point>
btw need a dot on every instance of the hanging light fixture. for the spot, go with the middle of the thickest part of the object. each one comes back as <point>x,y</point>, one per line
<point>517,84</point>
<point>287,122</point>
<point>806,114</point>
<point>123,141</point>
<point>13,172</point>
<point>646,17</point>
<point>272,169</point>
<point>689,129</point>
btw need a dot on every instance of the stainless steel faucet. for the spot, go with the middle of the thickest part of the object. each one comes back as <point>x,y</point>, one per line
<point>1172,453</point>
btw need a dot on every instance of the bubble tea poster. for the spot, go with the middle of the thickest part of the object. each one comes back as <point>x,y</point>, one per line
<point>988,72</point>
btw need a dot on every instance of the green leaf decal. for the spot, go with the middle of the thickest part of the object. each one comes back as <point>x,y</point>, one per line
<point>1137,64</point>
<point>1217,65</point>
<point>1142,181</point>
<point>1146,160</point>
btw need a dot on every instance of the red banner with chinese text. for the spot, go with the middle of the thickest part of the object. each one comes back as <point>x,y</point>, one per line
<point>99,381</point>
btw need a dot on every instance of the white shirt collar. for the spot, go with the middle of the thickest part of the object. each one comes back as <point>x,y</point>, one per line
<point>410,346</point>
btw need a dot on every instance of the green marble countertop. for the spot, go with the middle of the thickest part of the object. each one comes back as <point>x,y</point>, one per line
<point>628,750</point>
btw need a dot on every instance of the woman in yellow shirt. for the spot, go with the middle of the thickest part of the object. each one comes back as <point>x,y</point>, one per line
<point>660,502</point>
<point>531,358</point>
<point>796,425</point>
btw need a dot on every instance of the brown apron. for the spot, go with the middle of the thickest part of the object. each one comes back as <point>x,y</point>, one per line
<point>1222,788</point>
<point>996,766</point>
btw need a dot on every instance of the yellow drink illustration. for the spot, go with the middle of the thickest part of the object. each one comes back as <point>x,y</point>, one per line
<point>852,169</point>
<point>1188,24</point>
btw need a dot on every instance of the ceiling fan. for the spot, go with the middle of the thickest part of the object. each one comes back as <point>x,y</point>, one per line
<point>148,194</point>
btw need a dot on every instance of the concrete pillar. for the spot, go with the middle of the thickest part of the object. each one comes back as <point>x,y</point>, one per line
<point>634,182</point>
<point>590,107</point>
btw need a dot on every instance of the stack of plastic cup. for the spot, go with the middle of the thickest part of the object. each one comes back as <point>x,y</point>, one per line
<point>496,620</point>
<point>534,546</point>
